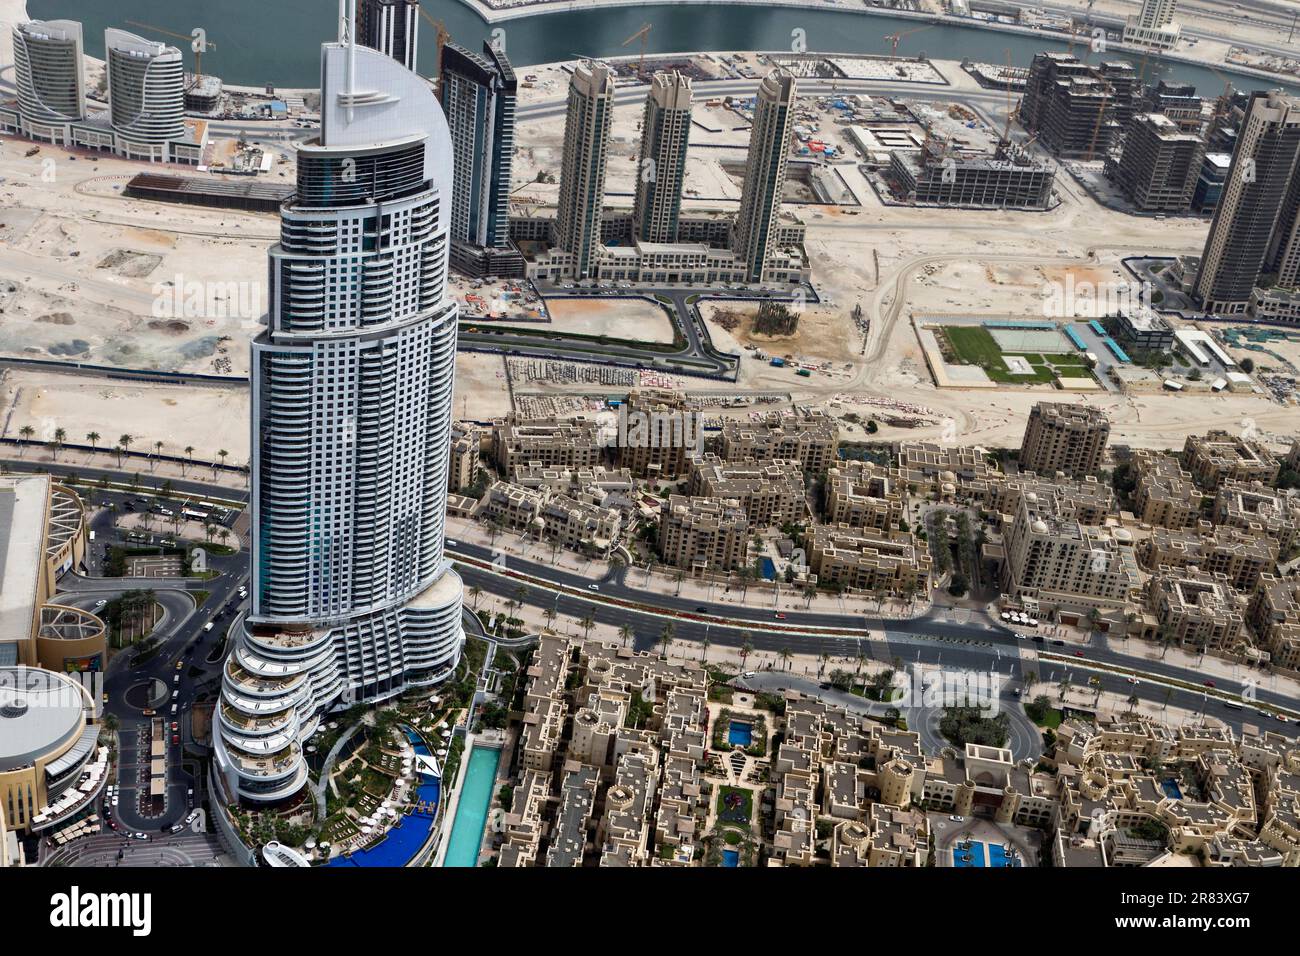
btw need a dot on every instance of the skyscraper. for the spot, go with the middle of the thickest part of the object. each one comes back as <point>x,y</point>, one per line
<point>1254,223</point>
<point>1154,25</point>
<point>48,77</point>
<point>760,198</point>
<point>582,173</point>
<point>665,134</point>
<point>353,600</point>
<point>392,27</point>
<point>478,96</point>
<point>146,93</point>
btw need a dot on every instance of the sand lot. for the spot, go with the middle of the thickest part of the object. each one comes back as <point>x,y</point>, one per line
<point>210,418</point>
<point>637,320</point>
<point>481,390</point>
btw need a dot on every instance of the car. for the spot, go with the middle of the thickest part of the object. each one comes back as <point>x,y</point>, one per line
<point>1078,653</point>
<point>208,626</point>
<point>175,725</point>
<point>99,604</point>
<point>193,814</point>
<point>148,712</point>
<point>1132,680</point>
<point>176,738</point>
<point>593,587</point>
<point>180,664</point>
<point>177,827</point>
<point>749,674</point>
<point>175,694</point>
<point>1209,683</point>
<point>1283,718</point>
<point>453,544</point>
<point>1058,643</point>
<point>780,616</point>
<point>701,610</point>
<point>106,697</point>
<point>957,819</point>
<point>137,835</point>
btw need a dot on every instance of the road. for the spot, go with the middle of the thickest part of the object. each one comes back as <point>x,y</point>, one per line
<point>953,638</point>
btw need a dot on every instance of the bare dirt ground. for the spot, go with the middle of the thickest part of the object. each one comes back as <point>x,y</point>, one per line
<point>210,419</point>
<point>481,392</point>
<point>637,320</point>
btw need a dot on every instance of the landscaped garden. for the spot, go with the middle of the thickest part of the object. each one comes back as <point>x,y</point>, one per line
<point>746,731</point>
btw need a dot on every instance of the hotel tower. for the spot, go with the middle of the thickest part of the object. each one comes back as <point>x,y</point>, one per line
<point>353,599</point>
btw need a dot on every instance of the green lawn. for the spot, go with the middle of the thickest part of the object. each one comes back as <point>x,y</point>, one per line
<point>975,345</point>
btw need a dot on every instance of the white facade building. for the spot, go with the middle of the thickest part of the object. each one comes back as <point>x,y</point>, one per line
<point>353,599</point>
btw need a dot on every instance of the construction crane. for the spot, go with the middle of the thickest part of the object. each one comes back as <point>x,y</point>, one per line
<point>1220,105</point>
<point>643,35</point>
<point>440,40</point>
<point>198,42</point>
<point>895,37</point>
<point>1101,113</point>
<point>1006,130</point>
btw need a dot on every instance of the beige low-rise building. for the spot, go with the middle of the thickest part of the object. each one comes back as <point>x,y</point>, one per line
<point>1197,610</point>
<point>463,467</point>
<point>863,559</point>
<point>556,443</point>
<point>1260,510</point>
<point>806,436</point>
<point>1274,617</point>
<point>1239,555</point>
<point>1090,500</point>
<point>1164,494</point>
<point>863,494</point>
<point>703,534</point>
<point>769,492</point>
<point>1056,563</point>
<point>1219,456</point>
<point>946,470</point>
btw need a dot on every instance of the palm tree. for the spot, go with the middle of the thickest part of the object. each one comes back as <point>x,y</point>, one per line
<point>809,592</point>
<point>678,577</point>
<point>124,446</point>
<point>821,664</point>
<point>119,451</point>
<point>704,647</point>
<point>1031,678</point>
<point>475,593</point>
<point>666,639</point>
<point>1169,693</point>
<point>521,593</point>
<point>587,623</point>
<point>222,454</point>
<point>93,437</point>
<point>25,433</point>
<point>60,436</point>
<point>223,535</point>
<point>746,575</point>
<point>1064,686</point>
<point>157,453</point>
<point>746,648</point>
<point>1132,703</point>
<point>626,633</point>
<point>189,459</point>
<point>786,656</point>
<point>549,614</point>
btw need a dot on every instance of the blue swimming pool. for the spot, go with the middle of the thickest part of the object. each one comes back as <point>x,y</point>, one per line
<point>731,858</point>
<point>767,568</point>
<point>740,734</point>
<point>998,856</point>
<point>404,840</point>
<point>1171,789</point>
<point>971,855</point>
<point>472,809</point>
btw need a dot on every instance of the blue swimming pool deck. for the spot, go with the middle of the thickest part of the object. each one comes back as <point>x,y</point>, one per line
<point>731,858</point>
<point>472,807</point>
<point>977,855</point>
<point>403,842</point>
<point>740,733</point>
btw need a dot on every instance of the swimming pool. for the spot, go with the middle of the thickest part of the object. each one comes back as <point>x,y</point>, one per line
<point>740,734</point>
<point>472,810</point>
<point>731,858</point>
<point>400,845</point>
<point>974,856</point>
<point>1171,789</point>
<point>968,856</point>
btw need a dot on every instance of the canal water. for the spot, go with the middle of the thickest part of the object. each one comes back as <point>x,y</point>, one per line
<point>254,42</point>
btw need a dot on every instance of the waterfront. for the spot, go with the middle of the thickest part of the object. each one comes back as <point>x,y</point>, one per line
<point>256,57</point>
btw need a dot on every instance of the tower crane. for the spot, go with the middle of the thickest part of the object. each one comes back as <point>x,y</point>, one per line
<point>895,37</point>
<point>643,35</point>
